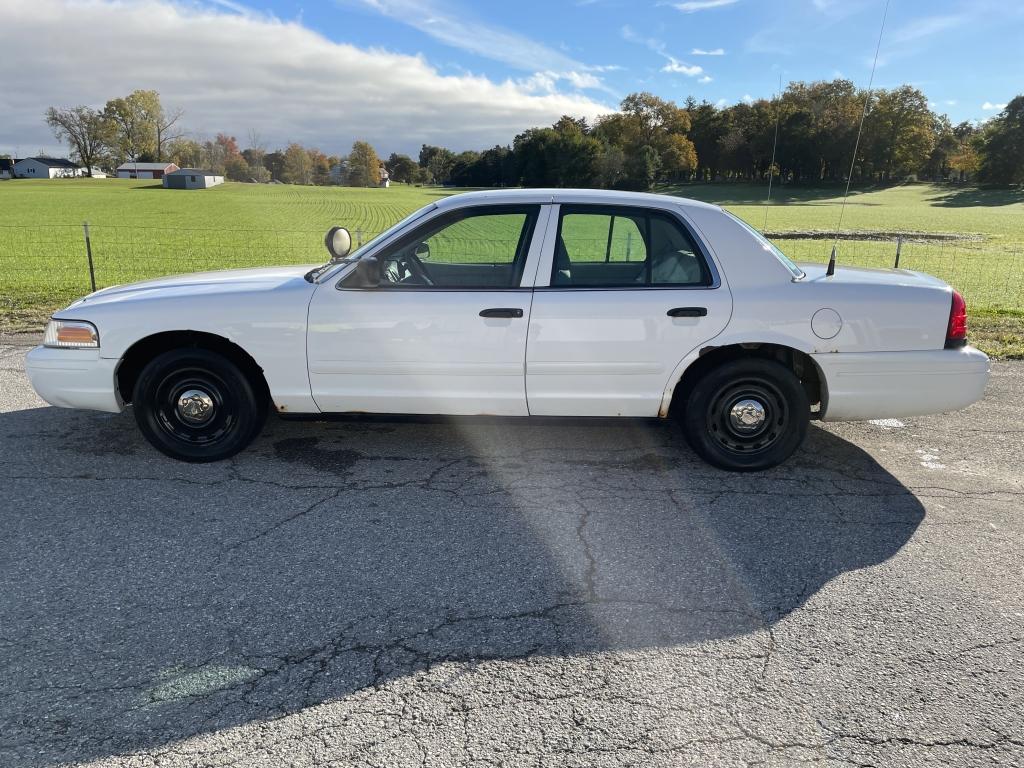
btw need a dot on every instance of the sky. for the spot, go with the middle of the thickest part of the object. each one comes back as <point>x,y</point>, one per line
<point>469,75</point>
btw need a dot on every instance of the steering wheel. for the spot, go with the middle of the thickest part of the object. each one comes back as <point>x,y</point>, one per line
<point>412,262</point>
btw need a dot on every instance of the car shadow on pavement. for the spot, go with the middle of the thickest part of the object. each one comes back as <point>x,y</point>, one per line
<point>146,601</point>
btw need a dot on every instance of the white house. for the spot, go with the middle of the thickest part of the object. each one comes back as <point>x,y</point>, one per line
<point>191,178</point>
<point>144,170</point>
<point>47,168</point>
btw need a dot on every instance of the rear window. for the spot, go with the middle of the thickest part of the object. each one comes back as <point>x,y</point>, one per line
<point>769,246</point>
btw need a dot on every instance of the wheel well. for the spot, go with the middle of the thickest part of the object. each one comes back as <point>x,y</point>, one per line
<point>711,357</point>
<point>144,350</point>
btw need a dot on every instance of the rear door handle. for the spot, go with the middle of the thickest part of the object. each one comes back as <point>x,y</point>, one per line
<point>501,312</point>
<point>688,312</point>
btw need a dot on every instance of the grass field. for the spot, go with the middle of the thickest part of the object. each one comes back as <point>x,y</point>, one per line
<point>140,230</point>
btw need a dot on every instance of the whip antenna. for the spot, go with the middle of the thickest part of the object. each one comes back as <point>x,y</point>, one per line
<point>775,143</point>
<point>853,160</point>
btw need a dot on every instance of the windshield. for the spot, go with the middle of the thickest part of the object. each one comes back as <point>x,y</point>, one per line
<point>769,246</point>
<point>315,274</point>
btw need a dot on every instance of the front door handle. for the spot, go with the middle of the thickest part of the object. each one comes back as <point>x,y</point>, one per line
<point>688,312</point>
<point>501,312</point>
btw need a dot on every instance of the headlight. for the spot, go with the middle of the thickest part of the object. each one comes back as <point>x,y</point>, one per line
<point>71,334</point>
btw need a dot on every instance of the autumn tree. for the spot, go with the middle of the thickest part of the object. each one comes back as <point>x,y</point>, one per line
<point>363,166</point>
<point>297,167</point>
<point>132,122</point>
<point>84,130</point>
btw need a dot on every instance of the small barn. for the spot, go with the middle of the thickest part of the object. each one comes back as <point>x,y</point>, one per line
<point>191,178</point>
<point>47,168</point>
<point>144,170</point>
<point>7,168</point>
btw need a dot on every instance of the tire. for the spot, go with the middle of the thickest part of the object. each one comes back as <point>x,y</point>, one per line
<point>196,405</point>
<point>747,415</point>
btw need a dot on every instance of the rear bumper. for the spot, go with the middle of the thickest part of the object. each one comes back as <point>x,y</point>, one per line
<point>74,378</point>
<point>876,385</point>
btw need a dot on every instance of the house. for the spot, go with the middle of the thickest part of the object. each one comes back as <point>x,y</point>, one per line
<point>385,177</point>
<point>7,168</point>
<point>144,170</point>
<point>191,178</point>
<point>47,168</point>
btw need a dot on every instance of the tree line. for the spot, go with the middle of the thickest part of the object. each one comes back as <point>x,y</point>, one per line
<point>810,128</point>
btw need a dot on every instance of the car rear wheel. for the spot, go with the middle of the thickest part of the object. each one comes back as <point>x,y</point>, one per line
<point>196,405</point>
<point>747,415</point>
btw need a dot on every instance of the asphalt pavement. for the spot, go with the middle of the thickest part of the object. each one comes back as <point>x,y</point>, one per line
<point>492,592</point>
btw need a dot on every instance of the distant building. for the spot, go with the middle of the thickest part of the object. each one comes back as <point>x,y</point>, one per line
<point>7,168</point>
<point>339,172</point>
<point>47,168</point>
<point>385,177</point>
<point>191,178</point>
<point>144,170</point>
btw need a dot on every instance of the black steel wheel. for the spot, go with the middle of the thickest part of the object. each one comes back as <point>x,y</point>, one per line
<point>747,415</point>
<point>196,405</point>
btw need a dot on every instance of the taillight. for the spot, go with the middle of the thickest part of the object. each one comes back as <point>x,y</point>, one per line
<point>956,331</point>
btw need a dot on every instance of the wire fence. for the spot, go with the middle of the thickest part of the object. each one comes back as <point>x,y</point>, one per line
<point>46,266</point>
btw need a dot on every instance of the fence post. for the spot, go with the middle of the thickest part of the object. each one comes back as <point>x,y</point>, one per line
<point>88,253</point>
<point>899,247</point>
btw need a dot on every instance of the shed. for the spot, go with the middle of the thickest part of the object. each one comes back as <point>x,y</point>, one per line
<point>191,178</point>
<point>145,170</point>
<point>7,167</point>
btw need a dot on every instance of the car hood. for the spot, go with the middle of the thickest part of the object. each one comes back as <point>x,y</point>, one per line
<point>868,276</point>
<point>199,283</point>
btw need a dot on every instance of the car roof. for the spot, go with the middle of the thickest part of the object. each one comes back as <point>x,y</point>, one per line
<point>591,196</point>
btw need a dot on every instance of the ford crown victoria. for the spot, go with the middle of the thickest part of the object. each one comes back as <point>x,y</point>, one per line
<point>574,303</point>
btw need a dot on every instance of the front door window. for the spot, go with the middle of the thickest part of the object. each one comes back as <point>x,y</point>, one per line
<point>482,248</point>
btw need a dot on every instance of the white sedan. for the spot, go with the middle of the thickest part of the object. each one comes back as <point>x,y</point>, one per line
<point>524,303</point>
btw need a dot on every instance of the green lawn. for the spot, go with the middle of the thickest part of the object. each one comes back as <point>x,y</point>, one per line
<point>140,230</point>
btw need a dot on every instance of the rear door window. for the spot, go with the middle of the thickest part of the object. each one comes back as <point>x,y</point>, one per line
<point>624,247</point>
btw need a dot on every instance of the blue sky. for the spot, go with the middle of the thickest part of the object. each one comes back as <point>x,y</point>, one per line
<point>961,54</point>
<point>468,75</point>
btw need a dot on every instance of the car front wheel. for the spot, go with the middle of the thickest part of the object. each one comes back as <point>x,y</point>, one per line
<point>196,405</point>
<point>747,415</point>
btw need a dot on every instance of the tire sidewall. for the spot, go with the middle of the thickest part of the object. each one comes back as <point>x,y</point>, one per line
<point>245,404</point>
<point>695,417</point>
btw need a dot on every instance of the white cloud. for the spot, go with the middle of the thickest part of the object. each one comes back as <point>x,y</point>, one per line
<point>712,52</point>
<point>692,6</point>
<point>925,27</point>
<point>459,30</point>
<point>678,67</point>
<point>674,65</point>
<point>989,106</point>
<point>721,103</point>
<point>748,99</point>
<point>950,102</point>
<point>706,79</point>
<point>237,71</point>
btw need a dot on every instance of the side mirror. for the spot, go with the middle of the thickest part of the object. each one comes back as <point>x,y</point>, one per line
<point>365,275</point>
<point>422,251</point>
<point>338,242</point>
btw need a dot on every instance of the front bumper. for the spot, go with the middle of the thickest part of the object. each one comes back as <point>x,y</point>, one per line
<point>74,378</point>
<point>879,385</point>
